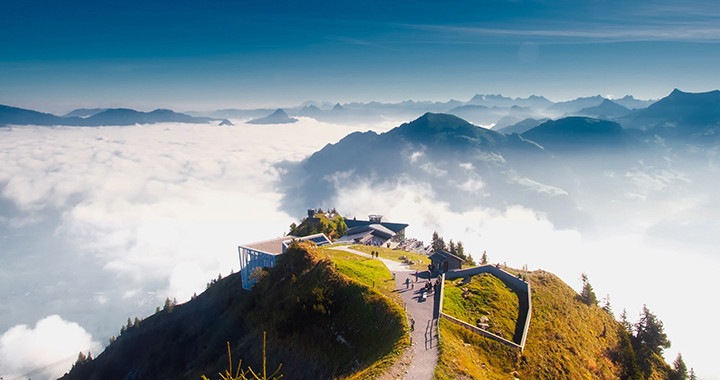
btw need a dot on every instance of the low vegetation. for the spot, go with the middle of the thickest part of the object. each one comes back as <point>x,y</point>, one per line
<point>420,262</point>
<point>367,271</point>
<point>568,338</point>
<point>484,301</point>
<point>330,223</point>
<point>320,324</point>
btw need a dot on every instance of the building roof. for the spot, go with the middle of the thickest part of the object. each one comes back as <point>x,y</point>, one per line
<point>442,256</point>
<point>361,234</point>
<point>277,246</point>
<point>394,227</point>
<point>318,239</point>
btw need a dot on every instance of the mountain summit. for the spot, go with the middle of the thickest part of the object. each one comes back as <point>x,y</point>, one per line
<point>277,117</point>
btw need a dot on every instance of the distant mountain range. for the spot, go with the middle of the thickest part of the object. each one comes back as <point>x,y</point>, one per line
<point>277,117</point>
<point>527,163</point>
<point>96,117</point>
<point>482,109</point>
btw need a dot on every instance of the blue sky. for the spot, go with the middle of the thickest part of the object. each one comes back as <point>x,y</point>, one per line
<point>186,55</point>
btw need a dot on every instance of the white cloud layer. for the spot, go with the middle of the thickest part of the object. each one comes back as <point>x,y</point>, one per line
<point>159,208</point>
<point>53,343</point>
<point>162,208</point>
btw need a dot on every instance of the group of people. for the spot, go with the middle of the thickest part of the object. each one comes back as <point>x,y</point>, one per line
<point>375,254</point>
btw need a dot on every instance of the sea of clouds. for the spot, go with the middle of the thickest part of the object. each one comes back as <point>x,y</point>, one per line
<point>101,224</point>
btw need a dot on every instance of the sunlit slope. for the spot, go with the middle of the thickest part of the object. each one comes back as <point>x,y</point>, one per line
<point>567,338</point>
<point>319,323</point>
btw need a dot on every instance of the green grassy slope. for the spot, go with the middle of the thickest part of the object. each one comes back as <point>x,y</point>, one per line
<point>484,298</point>
<point>421,261</point>
<point>567,339</point>
<point>320,324</point>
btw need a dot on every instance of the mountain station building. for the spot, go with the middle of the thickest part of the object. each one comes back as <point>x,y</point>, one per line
<point>372,231</point>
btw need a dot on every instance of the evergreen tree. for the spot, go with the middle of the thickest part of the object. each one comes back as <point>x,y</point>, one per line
<point>438,244</point>
<point>650,332</point>
<point>460,249</point>
<point>81,358</point>
<point>630,365</point>
<point>293,229</point>
<point>606,305</point>
<point>679,371</point>
<point>451,248</point>
<point>470,261</point>
<point>137,322</point>
<point>587,295</point>
<point>692,374</point>
<point>129,323</point>
<point>169,305</point>
<point>340,226</point>
<point>484,258</point>
<point>625,323</point>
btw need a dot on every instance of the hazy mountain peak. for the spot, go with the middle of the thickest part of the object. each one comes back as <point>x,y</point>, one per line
<point>277,117</point>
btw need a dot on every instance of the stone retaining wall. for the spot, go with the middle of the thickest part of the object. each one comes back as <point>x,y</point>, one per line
<point>519,285</point>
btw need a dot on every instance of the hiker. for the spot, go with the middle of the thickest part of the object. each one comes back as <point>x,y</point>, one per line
<point>416,276</point>
<point>407,283</point>
<point>412,324</point>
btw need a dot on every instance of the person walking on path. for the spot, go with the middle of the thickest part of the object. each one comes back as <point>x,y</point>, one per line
<point>407,283</point>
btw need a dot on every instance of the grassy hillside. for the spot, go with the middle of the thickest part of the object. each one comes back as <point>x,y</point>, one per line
<point>320,324</point>
<point>484,299</point>
<point>567,339</point>
<point>421,261</point>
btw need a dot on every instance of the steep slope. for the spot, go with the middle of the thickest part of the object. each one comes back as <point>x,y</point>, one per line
<point>567,340</point>
<point>319,325</point>
<point>685,112</point>
<point>606,109</point>
<point>580,133</point>
<point>522,126</point>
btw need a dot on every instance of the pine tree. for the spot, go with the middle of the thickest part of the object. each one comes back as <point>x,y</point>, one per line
<point>137,322</point>
<point>452,248</point>
<point>692,374</point>
<point>630,366</point>
<point>438,244</point>
<point>129,323</point>
<point>460,249</point>
<point>650,332</point>
<point>587,295</point>
<point>470,261</point>
<point>484,258</point>
<point>679,371</point>
<point>606,305</point>
<point>625,323</point>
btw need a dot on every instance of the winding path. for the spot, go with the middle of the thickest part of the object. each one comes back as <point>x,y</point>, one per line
<point>425,314</point>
